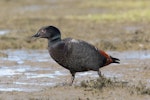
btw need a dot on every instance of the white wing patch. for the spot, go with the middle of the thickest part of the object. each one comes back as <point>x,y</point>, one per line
<point>74,41</point>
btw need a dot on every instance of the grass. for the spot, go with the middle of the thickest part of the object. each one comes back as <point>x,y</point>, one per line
<point>141,89</point>
<point>102,23</point>
<point>132,15</point>
<point>103,83</point>
<point>117,4</point>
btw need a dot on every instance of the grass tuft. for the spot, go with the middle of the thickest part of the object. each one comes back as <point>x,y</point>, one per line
<point>140,89</point>
<point>103,83</point>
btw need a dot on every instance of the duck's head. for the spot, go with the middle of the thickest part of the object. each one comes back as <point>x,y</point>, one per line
<point>49,32</point>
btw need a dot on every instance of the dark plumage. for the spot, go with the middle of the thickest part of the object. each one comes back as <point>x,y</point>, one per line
<point>74,55</point>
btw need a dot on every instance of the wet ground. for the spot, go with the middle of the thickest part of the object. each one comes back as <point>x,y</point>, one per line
<point>34,70</point>
<point>2,32</point>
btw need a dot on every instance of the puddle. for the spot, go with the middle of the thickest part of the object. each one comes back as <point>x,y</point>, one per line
<point>113,75</point>
<point>2,32</point>
<point>31,72</point>
<point>37,84</point>
<point>15,89</point>
<point>20,56</point>
<point>28,76</point>
<point>13,70</point>
<point>51,75</point>
<point>8,72</point>
<point>132,54</point>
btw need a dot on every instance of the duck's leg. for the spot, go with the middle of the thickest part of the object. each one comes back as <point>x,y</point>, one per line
<point>72,78</point>
<point>99,73</point>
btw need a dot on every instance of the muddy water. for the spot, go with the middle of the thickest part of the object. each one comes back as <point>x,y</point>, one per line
<point>2,32</point>
<point>34,70</point>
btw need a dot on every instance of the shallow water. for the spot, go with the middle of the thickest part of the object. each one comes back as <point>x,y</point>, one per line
<point>20,56</point>
<point>2,32</point>
<point>34,70</point>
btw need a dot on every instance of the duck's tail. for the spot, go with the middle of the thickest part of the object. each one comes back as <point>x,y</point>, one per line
<point>115,60</point>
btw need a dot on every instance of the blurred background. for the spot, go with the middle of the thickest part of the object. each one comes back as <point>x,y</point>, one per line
<point>110,25</point>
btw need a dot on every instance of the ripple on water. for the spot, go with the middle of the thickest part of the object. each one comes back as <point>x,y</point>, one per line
<point>15,70</point>
<point>38,84</point>
<point>17,89</point>
<point>27,77</point>
<point>51,75</point>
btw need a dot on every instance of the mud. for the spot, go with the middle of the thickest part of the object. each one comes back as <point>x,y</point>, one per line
<point>26,72</point>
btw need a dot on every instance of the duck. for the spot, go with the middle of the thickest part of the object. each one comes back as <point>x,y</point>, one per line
<point>74,54</point>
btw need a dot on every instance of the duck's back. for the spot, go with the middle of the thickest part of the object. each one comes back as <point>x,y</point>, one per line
<point>76,55</point>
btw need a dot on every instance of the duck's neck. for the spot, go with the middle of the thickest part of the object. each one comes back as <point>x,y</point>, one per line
<point>53,40</point>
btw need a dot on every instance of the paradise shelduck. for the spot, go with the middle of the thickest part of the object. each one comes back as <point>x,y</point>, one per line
<point>72,54</point>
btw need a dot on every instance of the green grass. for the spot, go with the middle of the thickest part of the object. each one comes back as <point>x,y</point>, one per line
<point>132,15</point>
<point>117,4</point>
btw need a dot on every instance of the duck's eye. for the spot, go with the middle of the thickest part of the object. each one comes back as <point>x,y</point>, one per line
<point>43,31</point>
